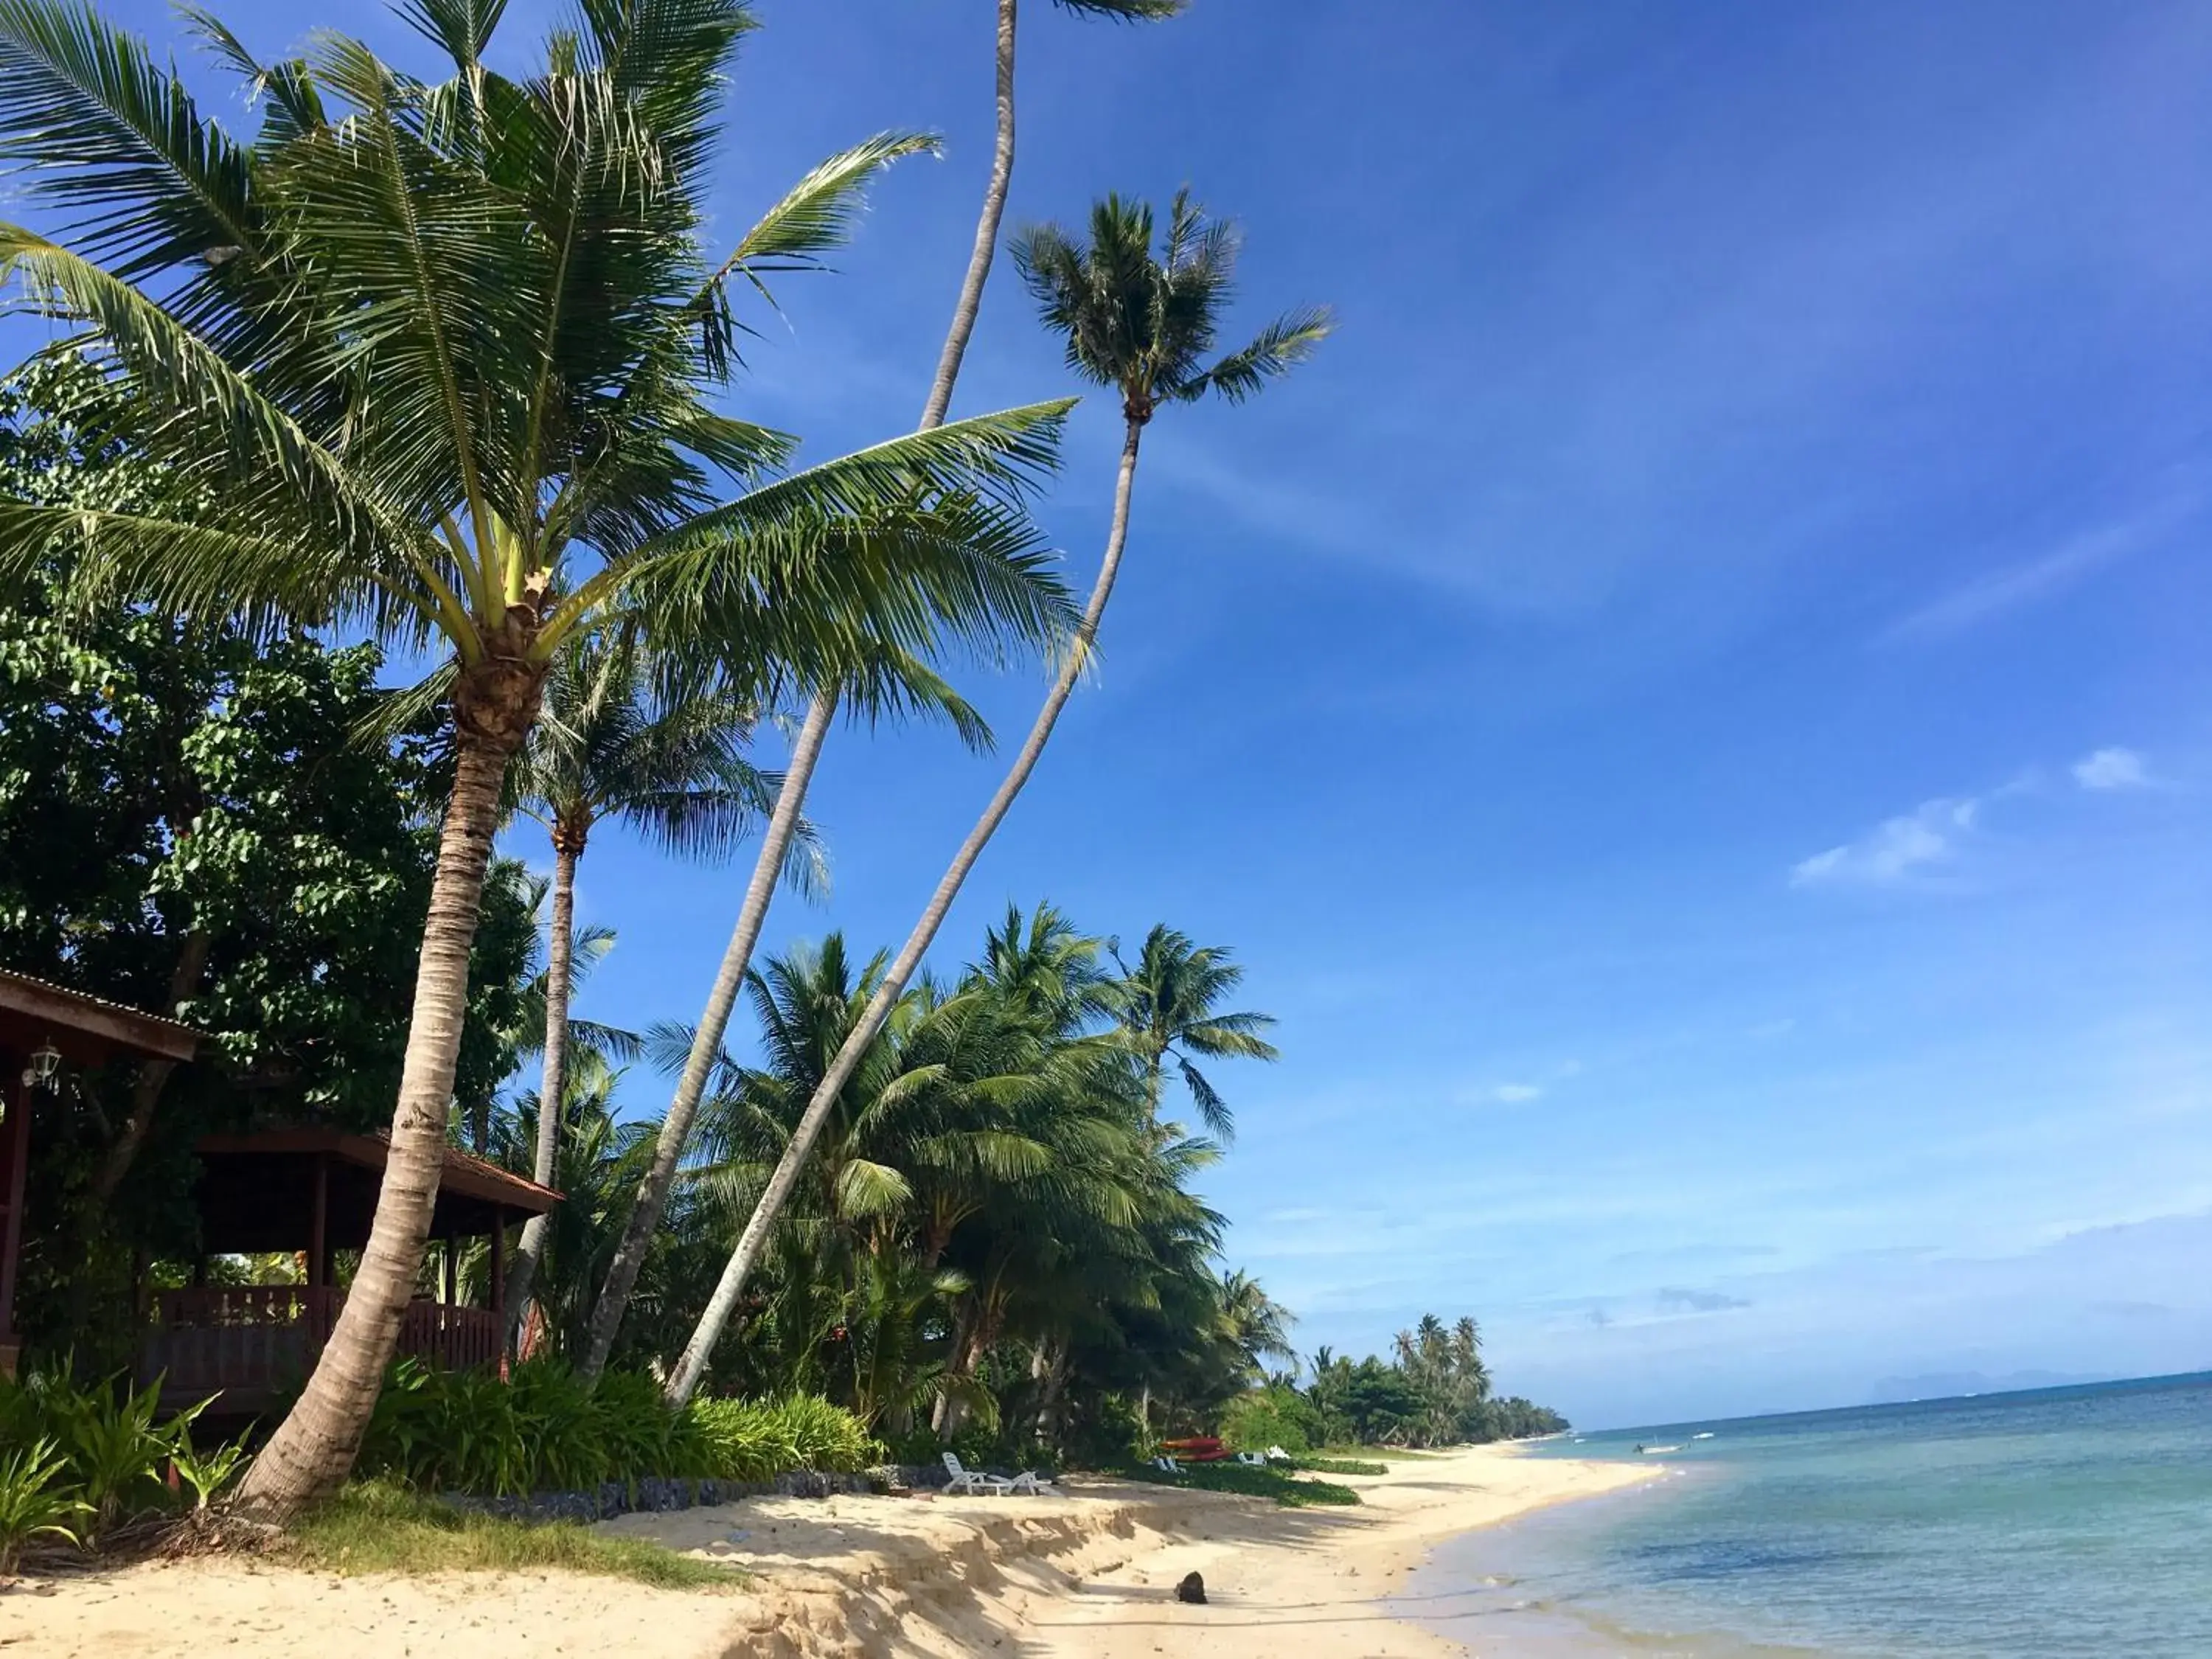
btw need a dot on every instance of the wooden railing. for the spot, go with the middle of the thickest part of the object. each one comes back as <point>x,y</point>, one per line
<point>452,1339</point>
<point>254,1342</point>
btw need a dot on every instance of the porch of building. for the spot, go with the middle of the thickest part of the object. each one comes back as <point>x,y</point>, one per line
<point>309,1194</point>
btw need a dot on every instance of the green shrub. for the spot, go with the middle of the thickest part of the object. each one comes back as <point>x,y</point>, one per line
<point>827,1436</point>
<point>106,1460</point>
<point>757,1440</point>
<point>34,1505</point>
<point>548,1429</point>
<point>1269,1417</point>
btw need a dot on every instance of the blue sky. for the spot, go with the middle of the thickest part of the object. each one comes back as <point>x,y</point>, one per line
<point>1694,710</point>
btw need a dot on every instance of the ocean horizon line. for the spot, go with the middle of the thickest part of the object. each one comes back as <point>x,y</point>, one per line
<point>2058,1390</point>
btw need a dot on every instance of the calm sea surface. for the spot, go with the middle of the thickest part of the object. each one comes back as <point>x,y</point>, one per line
<point>2066,1523</point>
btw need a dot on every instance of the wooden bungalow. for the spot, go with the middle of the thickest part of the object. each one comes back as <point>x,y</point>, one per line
<point>312,1192</point>
<point>44,1028</point>
<point>308,1192</point>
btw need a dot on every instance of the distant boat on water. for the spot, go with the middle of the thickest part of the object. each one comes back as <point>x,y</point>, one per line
<point>1653,1451</point>
<point>1706,1434</point>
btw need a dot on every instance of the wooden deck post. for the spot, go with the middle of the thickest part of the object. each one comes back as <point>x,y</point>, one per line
<point>14,1166</point>
<point>318,1267</point>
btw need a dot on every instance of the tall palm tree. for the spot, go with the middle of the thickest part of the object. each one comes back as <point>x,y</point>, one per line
<point>1145,325</point>
<point>436,359</point>
<point>822,712</point>
<point>1168,1007</point>
<point>673,768</point>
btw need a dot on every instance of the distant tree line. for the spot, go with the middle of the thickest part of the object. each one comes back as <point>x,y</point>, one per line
<point>1434,1390</point>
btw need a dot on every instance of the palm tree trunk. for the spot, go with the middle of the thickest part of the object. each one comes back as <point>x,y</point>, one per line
<point>706,1043</point>
<point>779,1185</point>
<point>706,1040</point>
<point>552,1094</point>
<point>987,231</point>
<point>314,1448</point>
<point>1052,1367</point>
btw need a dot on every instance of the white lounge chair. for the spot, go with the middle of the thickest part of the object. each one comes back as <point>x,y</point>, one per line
<point>973,1481</point>
<point>1029,1483</point>
<point>1167,1464</point>
<point>1253,1460</point>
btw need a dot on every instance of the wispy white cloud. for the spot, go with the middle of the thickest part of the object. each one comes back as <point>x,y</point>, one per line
<point>1896,851</point>
<point>2027,581</point>
<point>1676,1298</point>
<point>2112,769</point>
<point>1513,1094</point>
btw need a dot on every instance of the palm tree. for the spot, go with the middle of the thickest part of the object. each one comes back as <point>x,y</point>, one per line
<point>435,360</point>
<point>673,768</point>
<point>1168,1003</point>
<point>1259,1326</point>
<point>970,301</point>
<point>806,744</point>
<point>525,1030</point>
<point>1144,326</point>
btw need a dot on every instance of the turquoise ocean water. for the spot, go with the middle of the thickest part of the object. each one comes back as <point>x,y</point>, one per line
<point>2065,1523</point>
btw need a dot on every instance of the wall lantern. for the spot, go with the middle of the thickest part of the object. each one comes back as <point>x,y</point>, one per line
<point>46,1065</point>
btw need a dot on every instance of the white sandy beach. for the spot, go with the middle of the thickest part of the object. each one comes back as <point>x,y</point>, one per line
<point>1091,1572</point>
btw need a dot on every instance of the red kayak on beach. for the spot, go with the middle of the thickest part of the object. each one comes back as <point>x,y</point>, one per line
<point>1197,1448</point>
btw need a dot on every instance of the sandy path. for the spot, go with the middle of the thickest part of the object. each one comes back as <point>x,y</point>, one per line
<point>1091,1572</point>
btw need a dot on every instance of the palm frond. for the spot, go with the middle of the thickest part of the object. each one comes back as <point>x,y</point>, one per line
<point>91,121</point>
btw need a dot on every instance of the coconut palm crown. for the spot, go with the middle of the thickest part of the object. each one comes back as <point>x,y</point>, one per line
<point>1145,324</point>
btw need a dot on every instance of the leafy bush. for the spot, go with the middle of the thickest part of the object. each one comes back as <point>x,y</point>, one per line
<point>1277,1415</point>
<point>84,1459</point>
<point>549,1430</point>
<point>827,1436</point>
<point>32,1504</point>
<point>757,1440</point>
<point>742,1441</point>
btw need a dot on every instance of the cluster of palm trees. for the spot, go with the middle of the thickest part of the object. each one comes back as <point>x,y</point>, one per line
<point>997,1226</point>
<point>443,360</point>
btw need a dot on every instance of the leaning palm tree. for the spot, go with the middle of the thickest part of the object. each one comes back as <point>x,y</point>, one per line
<point>1169,1011</point>
<point>1144,325</point>
<point>609,745</point>
<point>435,360</point>
<point>821,714</point>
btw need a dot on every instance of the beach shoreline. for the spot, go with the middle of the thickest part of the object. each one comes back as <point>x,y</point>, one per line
<point>1092,1571</point>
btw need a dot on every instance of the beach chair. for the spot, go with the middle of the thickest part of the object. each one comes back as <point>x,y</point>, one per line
<point>1029,1483</point>
<point>973,1481</point>
<point>1253,1460</point>
<point>1166,1464</point>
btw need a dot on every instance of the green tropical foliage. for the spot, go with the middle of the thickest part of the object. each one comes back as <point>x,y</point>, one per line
<point>438,359</point>
<point>79,1461</point>
<point>1171,1010</point>
<point>997,1245</point>
<point>33,1502</point>
<point>1434,1391</point>
<point>545,1429</point>
<point>186,826</point>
